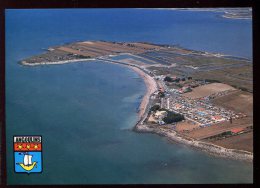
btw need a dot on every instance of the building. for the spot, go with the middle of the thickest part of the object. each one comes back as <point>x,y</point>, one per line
<point>161,122</point>
<point>217,118</point>
<point>237,130</point>
<point>160,114</point>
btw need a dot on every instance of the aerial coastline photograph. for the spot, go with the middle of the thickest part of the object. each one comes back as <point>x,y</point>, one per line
<point>131,96</point>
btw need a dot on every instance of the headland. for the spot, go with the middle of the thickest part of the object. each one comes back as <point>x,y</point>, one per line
<point>197,98</point>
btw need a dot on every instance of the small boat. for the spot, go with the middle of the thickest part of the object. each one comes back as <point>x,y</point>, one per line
<point>27,164</point>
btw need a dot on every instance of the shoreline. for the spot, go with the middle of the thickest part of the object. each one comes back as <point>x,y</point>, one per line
<point>151,87</point>
<point>209,148</point>
<point>56,62</point>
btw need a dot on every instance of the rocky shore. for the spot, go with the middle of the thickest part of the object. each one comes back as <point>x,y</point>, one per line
<point>204,146</point>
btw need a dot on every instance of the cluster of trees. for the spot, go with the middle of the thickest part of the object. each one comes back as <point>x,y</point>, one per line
<point>188,90</point>
<point>221,135</point>
<point>161,94</point>
<point>78,55</point>
<point>155,108</point>
<point>245,89</point>
<point>212,81</point>
<point>168,79</point>
<point>172,117</point>
<point>131,45</point>
<point>242,88</point>
<point>82,56</point>
<point>177,80</point>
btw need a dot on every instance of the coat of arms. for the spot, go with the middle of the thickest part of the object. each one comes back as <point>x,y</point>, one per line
<point>28,154</point>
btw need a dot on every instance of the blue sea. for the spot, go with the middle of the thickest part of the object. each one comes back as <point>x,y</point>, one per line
<point>85,111</point>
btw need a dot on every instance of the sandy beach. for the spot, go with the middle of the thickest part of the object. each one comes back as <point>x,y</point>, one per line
<point>151,87</point>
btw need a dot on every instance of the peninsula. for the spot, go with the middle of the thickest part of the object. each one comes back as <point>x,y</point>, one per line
<point>198,98</point>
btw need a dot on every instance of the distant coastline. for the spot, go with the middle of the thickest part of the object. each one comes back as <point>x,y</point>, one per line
<point>229,13</point>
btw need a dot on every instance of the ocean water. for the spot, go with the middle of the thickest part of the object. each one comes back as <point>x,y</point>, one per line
<point>85,111</point>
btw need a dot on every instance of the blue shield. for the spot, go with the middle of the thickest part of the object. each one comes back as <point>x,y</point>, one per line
<point>28,162</point>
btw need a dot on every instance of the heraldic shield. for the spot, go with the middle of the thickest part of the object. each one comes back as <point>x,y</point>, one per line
<point>28,154</point>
